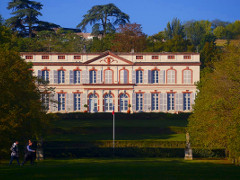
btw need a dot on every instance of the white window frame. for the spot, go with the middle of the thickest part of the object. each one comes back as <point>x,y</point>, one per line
<point>139,76</point>
<point>187,101</point>
<point>155,77</point>
<point>187,77</point>
<point>77,102</point>
<point>170,101</point>
<point>93,77</point>
<point>61,77</point>
<point>108,103</point>
<point>139,101</point>
<point>171,76</point>
<point>123,99</point>
<point>155,101</point>
<point>61,102</point>
<point>77,77</point>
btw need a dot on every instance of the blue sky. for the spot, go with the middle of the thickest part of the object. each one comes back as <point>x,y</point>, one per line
<point>153,15</point>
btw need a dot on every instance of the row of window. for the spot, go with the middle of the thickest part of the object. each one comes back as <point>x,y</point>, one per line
<point>79,57</point>
<point>179,102</point>
<point>92,76</point>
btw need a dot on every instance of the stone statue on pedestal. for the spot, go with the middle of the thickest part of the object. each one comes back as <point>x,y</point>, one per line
<point>188,149</point>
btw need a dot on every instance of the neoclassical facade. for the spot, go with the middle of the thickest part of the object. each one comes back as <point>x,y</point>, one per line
<point>99,82</point>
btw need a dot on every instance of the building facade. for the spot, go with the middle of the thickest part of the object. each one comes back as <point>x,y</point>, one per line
<point>99,82</point>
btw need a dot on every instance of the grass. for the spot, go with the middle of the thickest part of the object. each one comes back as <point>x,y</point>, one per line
<point>144,168</point>
<point>145,126</point>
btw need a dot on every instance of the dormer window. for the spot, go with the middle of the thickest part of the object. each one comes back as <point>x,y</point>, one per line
<point>45,57</point>
<point>171,57</point>
<point>77,57</point>
<point>187,57</point>
<point>139,57</point>
<point>61,57</point>
<point>29,57</point>
<point>155,57</point>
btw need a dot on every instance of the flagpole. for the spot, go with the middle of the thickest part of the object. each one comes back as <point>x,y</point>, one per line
<point>113,128</point>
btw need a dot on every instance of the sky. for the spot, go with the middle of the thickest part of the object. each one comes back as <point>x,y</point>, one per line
<point>153,15</point>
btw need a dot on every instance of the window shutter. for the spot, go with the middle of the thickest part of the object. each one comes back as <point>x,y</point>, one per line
<point>134,101</point>
<point>87,77</point>
<point>177,102</point>
<point>70,102</point>
<point>66,77</point>
<point>145,77</point>
<point>67,102</point>
<point>145,102</point>
<point>84,100</point>
<point>150,100</point>
<point>55,77</point>
<point>180,98</point>
<point>134,77</point>
<point>149,76</point>
<point>83,77</point>
<point>54,102</point>
<point>164,101</point>
<point>192,96</point>
<point>51,77</point>
<point>162,77</point>
<point>125,74</point>
<point>161,102</point>
<point>39,74</point>
<point>99,73</point>
<point>71,77</point>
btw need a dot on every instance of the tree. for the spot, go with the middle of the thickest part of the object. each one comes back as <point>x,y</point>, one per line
<point>173,29</point>
<point>217,22</point>
<point>215,122</point>
<point>196,30</point>
<point>220,32</point>
<point>25,19</point>
<point>21,114</point>
<point>178,44</point>
<point>129,37</point>
<point>104,18</point>
<point>155,43</point>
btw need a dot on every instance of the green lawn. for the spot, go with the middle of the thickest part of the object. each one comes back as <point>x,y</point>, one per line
<point>148,168</point>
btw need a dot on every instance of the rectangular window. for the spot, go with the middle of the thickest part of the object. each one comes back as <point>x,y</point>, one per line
<point>186,101</point>
<point>154,76</point>
<point>77,57</point>
<point>171,57</point>
<point>187,57</point>
<point>45,57</point>
<point>61,102</point>
<point>155,57</point>
<point>155,101</point>
<point>139,102</point>
<point>61,57</point>
<point>77,102</point>
<point>139,57</point>
<point>45,101</point>
<point>93,77</point>
<point>170,101</point>
<point>61,77</point>
<point>77,77</point>
<point>139,76</point>
<point>29,57</point>
<point>45,75</point>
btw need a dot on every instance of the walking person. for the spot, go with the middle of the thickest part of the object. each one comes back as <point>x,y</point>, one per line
<point>29,155</point>
<point>14,154</point>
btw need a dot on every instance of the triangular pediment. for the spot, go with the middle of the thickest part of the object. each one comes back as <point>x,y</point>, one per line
<point>108,58</point>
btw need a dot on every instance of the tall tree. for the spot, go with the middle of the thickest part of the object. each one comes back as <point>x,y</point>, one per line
<point>21,114</point>
<point>129,37</point>
<point>25,19</point>
<point>104,19</point>
<point>196,30</point>
<point>178,44</point>
<point>173,29</point>
<point>215,122</point>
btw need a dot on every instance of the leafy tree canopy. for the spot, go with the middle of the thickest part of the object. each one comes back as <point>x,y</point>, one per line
<point>215,122</point>
<point>104,19</point>
<point>173,29</point>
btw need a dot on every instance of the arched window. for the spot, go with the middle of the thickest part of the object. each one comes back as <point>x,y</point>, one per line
<point>155,76</point>
<point>61,77</point>
<point>187,77</point>
<point>93,103</point>
<point>123,102</point>
<point>124,76</point>
<point>108,102</point>
<point>93,78</point>
<point>171,77</point>
<point>77,77</point>
<point>45,75</point>
<point>77,102</point>
<point>108,77</point>
<point>139,76</point>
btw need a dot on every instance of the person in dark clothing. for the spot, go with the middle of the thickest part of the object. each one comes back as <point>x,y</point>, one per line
<point>14,154</point>
<point>29,154</point>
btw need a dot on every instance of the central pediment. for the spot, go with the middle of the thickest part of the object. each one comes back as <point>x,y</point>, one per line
<point>108,58</point>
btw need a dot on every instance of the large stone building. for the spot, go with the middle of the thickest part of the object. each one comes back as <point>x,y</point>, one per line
<point>149,82</point>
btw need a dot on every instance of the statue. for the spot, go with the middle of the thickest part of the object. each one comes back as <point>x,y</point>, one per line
<point>188,149</point>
